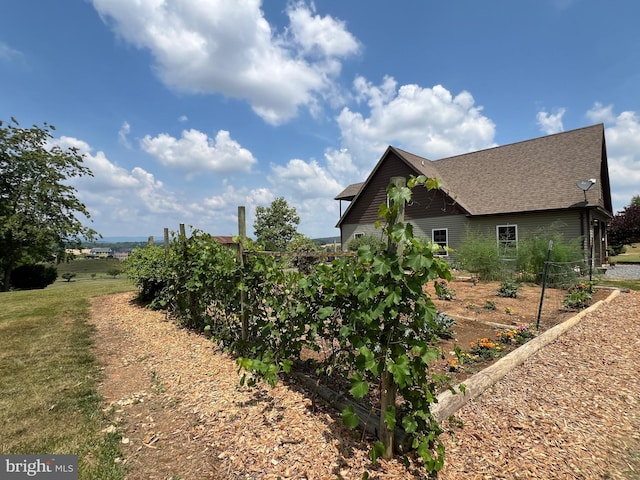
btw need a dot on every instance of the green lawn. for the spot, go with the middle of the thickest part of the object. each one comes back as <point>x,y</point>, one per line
<point>89,268</point>
<point>49,375</point>
<point>631,257</point>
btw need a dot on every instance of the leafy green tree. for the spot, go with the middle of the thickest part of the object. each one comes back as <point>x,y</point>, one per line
<point>38,208</point>
<point>635,201</point>
<point>276,225</point>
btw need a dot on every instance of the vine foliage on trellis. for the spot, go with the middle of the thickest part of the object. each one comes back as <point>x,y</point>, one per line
<point>371,307</point>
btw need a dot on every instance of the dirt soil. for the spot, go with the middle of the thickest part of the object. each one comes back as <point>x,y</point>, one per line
<point>571,411</point>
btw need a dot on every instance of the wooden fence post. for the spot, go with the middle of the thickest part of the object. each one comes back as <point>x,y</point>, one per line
<point>166,241</point>
<point>242,234</point>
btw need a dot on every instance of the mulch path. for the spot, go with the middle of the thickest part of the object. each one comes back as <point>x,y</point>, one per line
<point>572,411</point>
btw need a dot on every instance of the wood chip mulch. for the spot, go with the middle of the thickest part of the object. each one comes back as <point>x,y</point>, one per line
<point>572,411</point>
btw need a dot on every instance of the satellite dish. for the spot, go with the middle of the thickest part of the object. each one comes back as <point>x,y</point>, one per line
<point>585,185</point>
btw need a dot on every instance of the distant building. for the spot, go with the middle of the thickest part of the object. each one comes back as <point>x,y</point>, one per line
<point>100,253</point>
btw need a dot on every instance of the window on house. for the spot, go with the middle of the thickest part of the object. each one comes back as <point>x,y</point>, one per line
<point>507,240</point>
<point>441,237</point>
<point>358,235</point>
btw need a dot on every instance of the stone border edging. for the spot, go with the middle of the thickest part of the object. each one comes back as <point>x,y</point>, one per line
<point>449,403</point>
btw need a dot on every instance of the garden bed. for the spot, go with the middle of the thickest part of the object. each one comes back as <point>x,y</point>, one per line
<point>182,414</point>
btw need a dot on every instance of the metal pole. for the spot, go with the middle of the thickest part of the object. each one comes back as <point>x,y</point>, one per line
<point>544,283</point>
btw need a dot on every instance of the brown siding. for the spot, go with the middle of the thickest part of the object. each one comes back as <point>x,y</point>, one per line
<point>425,204</point>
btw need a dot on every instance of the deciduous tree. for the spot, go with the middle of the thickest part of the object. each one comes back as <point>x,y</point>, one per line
<point>625,226</point>
<point>276,225</point>
<point>38,207</point>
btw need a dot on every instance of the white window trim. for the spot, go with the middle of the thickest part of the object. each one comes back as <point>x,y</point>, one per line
<point>446,250</point>
<point>499,242</point>
<point>358,234</point>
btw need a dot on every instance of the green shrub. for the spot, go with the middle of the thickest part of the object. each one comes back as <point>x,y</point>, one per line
<point>148,269</point>
<point>478,253</point>
<point>32,276</point>
<point>68,276</point>
<point>443,325</point>
<point>444,291</point>
<point>579,296</point>
<point>532,254</point>
<point>508,289</point>
<point>301,245</point>
<point>376,243</point>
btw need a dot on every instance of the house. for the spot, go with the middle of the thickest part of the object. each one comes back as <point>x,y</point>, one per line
<point>506,191</point>
<point>100,252</point>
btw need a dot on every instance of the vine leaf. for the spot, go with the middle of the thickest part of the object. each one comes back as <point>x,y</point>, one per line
<point>376,452</point>
<point>390,417</point>
<point>359,388</point>
<point>350,418</point>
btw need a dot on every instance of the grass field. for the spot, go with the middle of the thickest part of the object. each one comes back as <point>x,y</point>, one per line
<point>49,375</point>
<point>89,268</point>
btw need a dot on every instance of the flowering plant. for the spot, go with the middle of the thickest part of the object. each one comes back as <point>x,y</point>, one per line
<point>518,336</point>
<point>485,349</point>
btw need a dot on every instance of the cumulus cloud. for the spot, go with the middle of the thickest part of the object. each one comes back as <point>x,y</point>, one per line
<point>551,123</point>
<point>120,199</point>
<point>304,179</point>
<point>195,152</point>
<point>230,48</point>
<point>430,122</point>
<point>123,134</point>
<point>622,134</point>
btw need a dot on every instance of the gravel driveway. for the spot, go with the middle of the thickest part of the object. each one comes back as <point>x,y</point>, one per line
<point>630,272</point>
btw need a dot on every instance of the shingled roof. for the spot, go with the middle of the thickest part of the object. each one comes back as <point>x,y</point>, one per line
<point>533,175</point>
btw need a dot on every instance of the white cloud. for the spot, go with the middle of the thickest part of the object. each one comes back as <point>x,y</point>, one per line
<point>304,179</point>
<point>551,123</point>
<point>123,133</point>
<point>183,118</point>
<point>426,121</point>
<point>125,201</point>
<point>8,53</point>
<point>622,134</point>
<point>217,46</point>
<point>196,152</point>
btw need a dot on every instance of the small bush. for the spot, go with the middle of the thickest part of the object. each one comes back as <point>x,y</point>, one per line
<point>68,276</point>
<point>508,289</point>
<point>444,291</point>
<point>114,272</point>
<point>374,241</point>
<point>578,296</point>
<point>444,325</point>
<point>29,277</point>
<point>148,269</point>
<point>301,245</point>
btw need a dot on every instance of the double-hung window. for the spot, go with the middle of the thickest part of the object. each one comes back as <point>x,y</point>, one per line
<point>507,240</point>
<point>440,236</point>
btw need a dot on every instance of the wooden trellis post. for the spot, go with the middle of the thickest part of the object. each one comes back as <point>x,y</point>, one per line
<point>388,387</point>
<point>242,234</point>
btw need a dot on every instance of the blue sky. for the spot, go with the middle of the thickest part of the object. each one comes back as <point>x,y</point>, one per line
<point>186,109</point>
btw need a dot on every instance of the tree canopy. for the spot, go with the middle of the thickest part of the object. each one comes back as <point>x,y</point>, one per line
<point>624,228</point>
<point>276,225</point>
<point>38,208</point>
